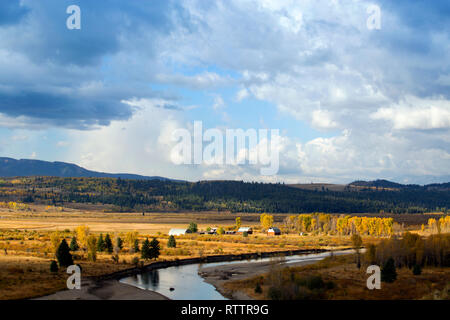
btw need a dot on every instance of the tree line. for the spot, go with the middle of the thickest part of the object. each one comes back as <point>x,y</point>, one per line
<point>234,196</point>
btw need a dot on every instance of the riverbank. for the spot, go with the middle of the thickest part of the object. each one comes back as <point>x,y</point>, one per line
<point>105,290</point>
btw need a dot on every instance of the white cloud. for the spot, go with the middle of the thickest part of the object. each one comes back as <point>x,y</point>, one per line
<point>416,113</point>
<point>322,119</point>
<point>218,102</point>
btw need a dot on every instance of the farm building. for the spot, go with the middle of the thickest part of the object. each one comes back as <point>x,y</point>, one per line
<point>178,232</point>
<point>274,231</point>
<point>212,231</point>
<point>245,229</point>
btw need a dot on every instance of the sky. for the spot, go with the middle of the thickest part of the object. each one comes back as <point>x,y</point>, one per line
<point>350,102</point>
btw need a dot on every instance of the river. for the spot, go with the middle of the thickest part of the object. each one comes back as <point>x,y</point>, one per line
<point>187,284</point>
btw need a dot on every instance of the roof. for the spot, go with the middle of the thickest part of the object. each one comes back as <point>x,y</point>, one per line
<point>274,229</point>
<point>243,229</point>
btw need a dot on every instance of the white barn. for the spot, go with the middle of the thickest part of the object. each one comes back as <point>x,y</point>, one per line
<point>245,229</point>
<point>178,232</point>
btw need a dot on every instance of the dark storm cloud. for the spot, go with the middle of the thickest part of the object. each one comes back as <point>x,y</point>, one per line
<point>11,12</point>
<point>48,50</point>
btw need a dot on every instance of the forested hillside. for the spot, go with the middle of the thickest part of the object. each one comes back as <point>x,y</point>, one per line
<point>235,196</point>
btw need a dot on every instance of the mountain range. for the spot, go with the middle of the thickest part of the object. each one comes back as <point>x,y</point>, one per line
<point>10,167</point>
<point>25,167</point>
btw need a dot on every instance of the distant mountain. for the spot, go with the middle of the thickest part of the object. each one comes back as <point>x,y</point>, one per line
<point>20,168</point>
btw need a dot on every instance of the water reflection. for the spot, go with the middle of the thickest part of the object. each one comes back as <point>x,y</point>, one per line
<point>184,280</point>
<point>187,284</point>
<point>148,280</point>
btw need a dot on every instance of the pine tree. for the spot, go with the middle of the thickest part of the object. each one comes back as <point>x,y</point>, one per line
<point>63,254</point>
<point>145,251</point>
<point>74,244</point>
<point>388,272</point>
<point>119,243</point>
<point>100,243</point>
<point>108,244</point>
<point>154,249</point>
<point>136,245</point>
<point>171,243</point>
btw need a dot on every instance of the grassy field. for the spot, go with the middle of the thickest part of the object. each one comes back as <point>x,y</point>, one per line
<point>26,249</point>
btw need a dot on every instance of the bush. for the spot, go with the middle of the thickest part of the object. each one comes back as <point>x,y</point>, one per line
<point>388,272</point>
<point>417,270</point>
<point>193,227</point>
<point>135,261</point>
<point>258,288</point>
<point>53,266</point>
<point>245,234</point>
<point>274,293</point>
<point>115,258</point>
<point>92,248</point>
<point>171,243</point>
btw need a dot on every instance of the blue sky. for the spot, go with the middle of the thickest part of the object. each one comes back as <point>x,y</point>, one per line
<point>350,102</point>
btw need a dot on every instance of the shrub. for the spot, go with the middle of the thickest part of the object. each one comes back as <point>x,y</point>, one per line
<point>53,266</point>
<point>388,272</point>
<point>274,293</point>
<point>193,227</point>
<point>245,234</point>
<point>135,261</point>
<point>417,270</point>
<point>115,258</point>
<point>258,288</point>
<point>92,248</point>
<point>171,243</point>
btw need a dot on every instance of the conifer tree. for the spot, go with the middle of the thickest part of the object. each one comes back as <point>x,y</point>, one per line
<point>63,254</point>
<point>74,244</point>
<point>108,244</point>
<point>154,249</point>
<point>171,243</point>
<point>100,243</point>
<point>145,250</point>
